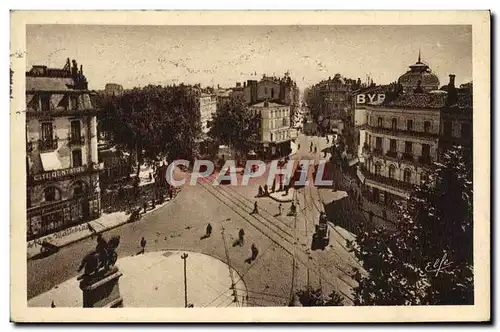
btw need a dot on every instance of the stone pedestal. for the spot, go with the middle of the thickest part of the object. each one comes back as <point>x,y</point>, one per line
<point>102,290</point>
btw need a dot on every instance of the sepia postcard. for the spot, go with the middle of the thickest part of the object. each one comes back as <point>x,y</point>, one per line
<point>240,166</point>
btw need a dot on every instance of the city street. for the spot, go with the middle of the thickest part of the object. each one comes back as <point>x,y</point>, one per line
<point>180,225</point>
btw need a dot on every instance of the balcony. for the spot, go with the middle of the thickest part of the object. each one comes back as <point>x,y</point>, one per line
<point>408,156</point>
<point>425,160</point>
<point>401,185</point>
<point>46,145</point>
<point>76,140</point>
<point>392,154</point>
<point>378,152</point>
<point>400,132</point>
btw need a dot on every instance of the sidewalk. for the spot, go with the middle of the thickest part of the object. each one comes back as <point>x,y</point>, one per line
<point>82,231</point>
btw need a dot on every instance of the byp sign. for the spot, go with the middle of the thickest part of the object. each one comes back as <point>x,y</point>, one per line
<point>368,98</point>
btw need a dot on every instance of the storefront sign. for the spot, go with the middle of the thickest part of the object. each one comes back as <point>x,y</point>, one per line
<point>61,173</point>
<point>370,98</point>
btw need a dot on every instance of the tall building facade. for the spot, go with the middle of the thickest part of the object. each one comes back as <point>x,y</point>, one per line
<point>405,134</point>
<point>208,108</point>
<point>62,160</point>
<point>275,132</point>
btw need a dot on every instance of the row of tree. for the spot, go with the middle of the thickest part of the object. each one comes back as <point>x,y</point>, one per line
<point>153,122</point>
<point>428,259</point>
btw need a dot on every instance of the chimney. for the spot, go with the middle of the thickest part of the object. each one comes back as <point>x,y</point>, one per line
<point>218,86</point>
<point>452,80</point>
<point>238,84</point>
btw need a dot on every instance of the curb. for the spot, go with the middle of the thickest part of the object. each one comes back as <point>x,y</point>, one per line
<point>281,200</point>
<point>127,221</point>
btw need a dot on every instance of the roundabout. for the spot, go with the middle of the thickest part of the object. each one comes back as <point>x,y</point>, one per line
<point>156,279</point>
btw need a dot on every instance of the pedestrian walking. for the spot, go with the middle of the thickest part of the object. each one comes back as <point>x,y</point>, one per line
<point>143,245</point>
<point>260,193</point>
<point>311,147</point>
<point>145,206</point>
<point>241,235</point>
<point>52,305</point>
<point>255,208</point>
<point>279,209</point>
<point>255,251</point>
<point>208,230</point>
<point>266,190</point>
<point>273,187</point>
<point>293,209</point>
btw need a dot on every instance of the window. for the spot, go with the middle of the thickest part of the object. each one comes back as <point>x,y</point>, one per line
<point>424,177</point>
<point>51,194</point>
<point>408,147</point>
<point>74,102</point>
<point>465,131</point>
<point>379,122</point>
<point>77,157</point>
<point>271,136</point>
<point>394,124</point>
<point>407,175</point>
<point>75,130</point>
<point>392,146</point>
<point>427,126</point>
<point>378,143</point>
<point>447,128</point>
<point>392,171</point>
<point>284,122</point>
<point>45,99</point>
<point>265,90</point>
<point>272,93</point>
<point>409,125</point>
<point>47,131</point>
<point>426,150</point>
<point>79,189</point>
<point>378,169</point>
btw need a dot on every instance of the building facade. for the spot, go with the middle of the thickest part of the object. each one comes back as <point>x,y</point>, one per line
<point>62,160</point>
<point>275,131</point>
<point>208,108</point>
<point>407,132</point>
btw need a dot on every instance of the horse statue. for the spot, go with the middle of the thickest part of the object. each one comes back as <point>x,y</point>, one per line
<point>101,258</point>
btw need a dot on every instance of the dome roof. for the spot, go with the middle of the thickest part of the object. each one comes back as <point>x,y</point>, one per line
<point>419,74</point>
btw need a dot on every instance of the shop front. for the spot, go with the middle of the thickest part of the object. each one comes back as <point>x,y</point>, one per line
<point>56,216</point>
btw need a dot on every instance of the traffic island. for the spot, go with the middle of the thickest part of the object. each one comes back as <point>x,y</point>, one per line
<point>282,196</point>
<point>156,279</point>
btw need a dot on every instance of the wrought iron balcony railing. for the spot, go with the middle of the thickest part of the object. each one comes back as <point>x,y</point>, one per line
<point>45,145</point>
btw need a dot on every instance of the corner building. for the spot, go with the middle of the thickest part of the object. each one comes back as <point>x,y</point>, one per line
<point>62,160</point>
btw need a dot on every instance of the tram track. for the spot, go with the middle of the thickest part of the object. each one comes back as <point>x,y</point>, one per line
<point>275,233</point>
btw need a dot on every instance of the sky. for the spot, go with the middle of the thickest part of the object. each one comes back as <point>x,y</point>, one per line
<point>212,55</point>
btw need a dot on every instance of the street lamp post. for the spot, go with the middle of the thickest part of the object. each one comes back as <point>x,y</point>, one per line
<point>184,257</point>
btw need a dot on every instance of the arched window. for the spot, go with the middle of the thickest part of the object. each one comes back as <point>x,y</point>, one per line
<point>392,171</point>
<point>424,178</point>
<point>394,124</point>
<point>51,194</point>
<point>407,175</point>
<point>379,122</point>
<point>79,189</point>
<point>378,169</point>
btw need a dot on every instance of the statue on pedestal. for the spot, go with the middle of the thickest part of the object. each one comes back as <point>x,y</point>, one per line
<point>101,259</point>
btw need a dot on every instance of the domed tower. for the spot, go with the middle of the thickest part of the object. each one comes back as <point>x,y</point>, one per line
<point>419,78</point>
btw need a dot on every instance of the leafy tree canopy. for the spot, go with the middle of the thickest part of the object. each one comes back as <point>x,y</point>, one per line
<point>429,259</point>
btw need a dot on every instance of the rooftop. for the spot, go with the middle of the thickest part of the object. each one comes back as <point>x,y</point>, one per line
<point>269,105</point>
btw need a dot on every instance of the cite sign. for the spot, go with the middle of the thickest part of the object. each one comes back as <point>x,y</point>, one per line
<point>370,98</point>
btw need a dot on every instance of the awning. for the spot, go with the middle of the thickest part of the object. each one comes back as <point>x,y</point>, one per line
<point>50,161</point>
<point>353,162</point>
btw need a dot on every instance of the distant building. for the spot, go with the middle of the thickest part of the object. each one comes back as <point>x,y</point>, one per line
<point>112,89</point>
<point>275,132</point>
<point>208,108</point>
<point>61,157</point>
